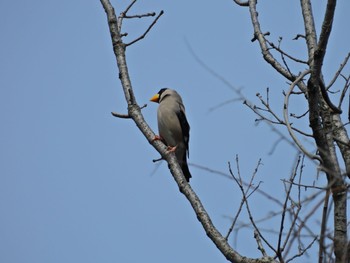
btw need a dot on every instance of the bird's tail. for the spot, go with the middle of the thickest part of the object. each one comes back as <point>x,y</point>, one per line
<point>185,170</point>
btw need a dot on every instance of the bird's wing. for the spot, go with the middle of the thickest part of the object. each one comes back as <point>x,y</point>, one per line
<point>185,127</point>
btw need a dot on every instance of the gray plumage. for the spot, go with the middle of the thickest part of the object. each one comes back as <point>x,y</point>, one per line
<point>173,126</point>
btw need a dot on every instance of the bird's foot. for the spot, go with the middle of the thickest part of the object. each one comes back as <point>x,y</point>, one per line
<point>157,138</point>
<point>171,149</point>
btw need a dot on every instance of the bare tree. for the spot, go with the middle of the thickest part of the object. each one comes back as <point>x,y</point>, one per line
<point>328,133</point>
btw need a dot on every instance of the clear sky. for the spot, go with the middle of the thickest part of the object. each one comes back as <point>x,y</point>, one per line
<point>78,185</point>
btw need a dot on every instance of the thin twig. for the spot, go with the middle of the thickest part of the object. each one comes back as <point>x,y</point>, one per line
<point>284,53</point>
<point>300,163</point>
<point>306,186</point>
<point>148,29</point>
<point>342,65</point>
<point>263,44</point>
<point>140,16</point>
<point>238,211</point>
<point>345,89</point>
<point>303,250</point>
<point>125,116</point>
<point>284,210</point>
<point>258,241</point>
<point>321,250</point>
<point>248,210</point>
<point>123,14</point>
<point>298,36</point>
<point>120,115</point>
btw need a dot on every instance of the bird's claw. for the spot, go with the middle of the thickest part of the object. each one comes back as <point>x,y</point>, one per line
<point>157,138</point>
<point>171,149</point>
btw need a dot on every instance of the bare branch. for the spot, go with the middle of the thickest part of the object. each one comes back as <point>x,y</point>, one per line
<point>248,210</point>
<point>306,186</point>
<point>302,251</point>
<point>123,14</point>
<point>258,241</point>
<point>324,36</point>
<point>141,16</point>
<point>238,2</point>
<point>310,31</point>
<point>120,115</point>
<point>148,29</point>
<point>125,116</point>
<point>345,89</point>
<point>326,97</point>
<point>321,251</point>
<point>286,119</point>
<point>298,204</point>
<point>284,210</point>
<point>263,45</point>
<point>277,48</point>
<point>298,36</point>
<point>342,65</point>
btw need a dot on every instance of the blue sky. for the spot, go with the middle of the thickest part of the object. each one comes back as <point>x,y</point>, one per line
<point>78,185</point>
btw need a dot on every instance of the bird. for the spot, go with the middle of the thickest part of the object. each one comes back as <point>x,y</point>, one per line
<point>173,126</point>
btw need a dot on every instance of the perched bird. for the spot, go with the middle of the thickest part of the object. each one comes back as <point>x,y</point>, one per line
<point>173,127</point>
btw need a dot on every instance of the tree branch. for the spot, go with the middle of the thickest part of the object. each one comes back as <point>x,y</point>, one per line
<point>148,29</point>
<point>134,112</point>
<point>286,118</point>
<point>310,31</point>
<point>238,2</point>
<point>321,250</point>
<point>263,46</point>
<point>341,67</point>
<point>325,33</point>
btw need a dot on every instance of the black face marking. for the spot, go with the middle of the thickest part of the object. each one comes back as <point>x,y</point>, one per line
<point>160,94</point>
<point>161,91</point>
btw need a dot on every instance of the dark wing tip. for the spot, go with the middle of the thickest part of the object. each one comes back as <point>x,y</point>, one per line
<point>185,127</point>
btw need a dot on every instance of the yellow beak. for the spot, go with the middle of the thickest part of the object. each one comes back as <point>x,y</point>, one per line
<point>155,98</point>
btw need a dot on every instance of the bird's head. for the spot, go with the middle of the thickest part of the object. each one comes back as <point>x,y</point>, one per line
<point>157,97</point>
